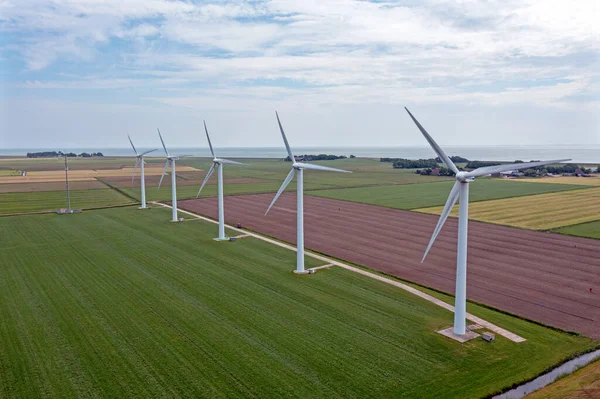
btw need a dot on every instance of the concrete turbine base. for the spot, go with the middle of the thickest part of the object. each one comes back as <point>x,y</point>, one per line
<point>302,272</point>
<point>449,332</point>
<point>221,239</point>
<point>141,207</point>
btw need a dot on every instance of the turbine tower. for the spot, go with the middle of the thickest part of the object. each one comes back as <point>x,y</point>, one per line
<point>139,160</point>
<point>219,164</point>
<point>170,161</point>
<point>461,190</point>
<point>298,167</point>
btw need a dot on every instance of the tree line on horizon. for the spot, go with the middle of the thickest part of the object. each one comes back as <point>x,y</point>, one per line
<point>318,157</point>
<point>427,166</point>
<point>57,154</point>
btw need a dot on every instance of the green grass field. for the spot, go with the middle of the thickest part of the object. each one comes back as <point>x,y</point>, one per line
<point>590,230</point>
<point>412,196</point>
<point>190,191</point>
<point>364,172</point>
<point>121,302</point>
<point>52,200</point>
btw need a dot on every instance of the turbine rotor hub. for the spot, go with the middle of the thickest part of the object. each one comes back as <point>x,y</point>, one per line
<point>463,177</point>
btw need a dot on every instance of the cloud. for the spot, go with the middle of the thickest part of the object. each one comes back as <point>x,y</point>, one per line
<point>260,53</point>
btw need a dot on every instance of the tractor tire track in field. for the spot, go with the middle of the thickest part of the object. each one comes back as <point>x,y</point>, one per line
<point>542,276</point>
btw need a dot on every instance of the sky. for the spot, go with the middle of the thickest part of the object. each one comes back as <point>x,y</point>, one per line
<point>85,73</point>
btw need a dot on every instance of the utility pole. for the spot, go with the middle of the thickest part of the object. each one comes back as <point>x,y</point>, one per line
<point>67,182</point>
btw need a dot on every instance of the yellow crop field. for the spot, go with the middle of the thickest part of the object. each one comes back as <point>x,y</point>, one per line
<point>50,176</point>
<point>584,181</point>
<point>537,212</point>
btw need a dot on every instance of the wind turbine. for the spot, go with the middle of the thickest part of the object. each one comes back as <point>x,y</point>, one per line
<point>170,161</point>
<point>219,163</point>
<point>461,190</point>
<point>139,160</point>
<point>298,167</point>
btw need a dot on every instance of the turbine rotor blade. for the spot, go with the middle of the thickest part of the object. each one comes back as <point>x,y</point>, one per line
<point>285,183</point>
<point>287,145</point>
<point>163,142</point>
<point>132,146</point>
<point>228,161</point>
<point>209,143</point>
<point>319,167</point>
<point>163,173</point>
<point>487,170</point>
<point>452,197</point>
<point>438,150</point>
<point>208,175</point>
<point>137,160</point>
<point>147,152</point>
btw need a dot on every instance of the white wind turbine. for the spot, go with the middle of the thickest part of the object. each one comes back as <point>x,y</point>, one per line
<point>139,160</point>
<point>219,163</point>
<point>170,161</point>
<point>298,167</point>
<point>461,190</point>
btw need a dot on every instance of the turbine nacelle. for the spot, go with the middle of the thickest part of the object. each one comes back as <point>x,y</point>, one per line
<point>170,160</point>
<point>464,177</point>
<point>139,158</point>
<point>296,166</point>
<point>216,161</point>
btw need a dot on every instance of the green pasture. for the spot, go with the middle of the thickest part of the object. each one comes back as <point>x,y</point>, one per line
<point>52,200</point>
<point>412,196</point>
<point>121,302</point>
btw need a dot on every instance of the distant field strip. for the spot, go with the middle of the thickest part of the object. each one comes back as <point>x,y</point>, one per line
<point>51,200</point>
<point>83,174</point>
<point>590,230</point>
<point>55,186</point>
<point>537,212</point>
<point>586,181</point>
<point>411,196</point>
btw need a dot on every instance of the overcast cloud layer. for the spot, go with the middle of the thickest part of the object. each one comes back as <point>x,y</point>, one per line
<point>85,73</point>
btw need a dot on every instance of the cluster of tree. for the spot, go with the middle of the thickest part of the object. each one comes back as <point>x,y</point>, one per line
<point>403,163</point>
<point>563,168</point>
<point>480,164</point>
<point>319,157</point>
<point>55,154</point>
<point>93,154</point>
<point>442,171</point>
<point>454,158</point>
<point>558,169</point>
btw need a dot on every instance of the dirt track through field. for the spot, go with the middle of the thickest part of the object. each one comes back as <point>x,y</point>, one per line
<point>541,276</point>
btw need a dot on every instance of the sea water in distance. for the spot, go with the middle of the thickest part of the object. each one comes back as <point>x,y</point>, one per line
<point>578,153</point>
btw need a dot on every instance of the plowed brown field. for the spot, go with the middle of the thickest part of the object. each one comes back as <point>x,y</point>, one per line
<point>541,276</point>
